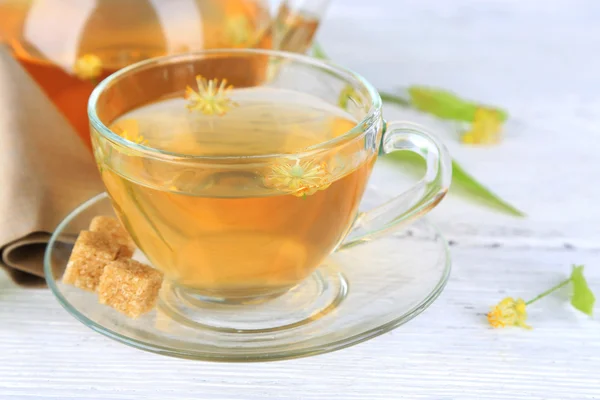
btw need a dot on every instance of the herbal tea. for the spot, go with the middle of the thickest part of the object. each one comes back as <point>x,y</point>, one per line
<point>68,47</point>
<point>237,227</point>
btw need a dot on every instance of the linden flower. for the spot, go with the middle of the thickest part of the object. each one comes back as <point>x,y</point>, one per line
<point>88,66</point>
<point>129,129</point>
<point>299,178</point>
<point>134,137</point>
<point>509,312</point>
<point>211,97</point>
<point>238,30</point>
<point>486,127</point>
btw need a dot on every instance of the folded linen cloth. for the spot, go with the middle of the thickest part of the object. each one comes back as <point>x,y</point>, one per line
<point>45,172</point>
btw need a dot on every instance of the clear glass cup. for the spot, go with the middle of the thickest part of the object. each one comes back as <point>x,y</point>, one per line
<point>282,229</point>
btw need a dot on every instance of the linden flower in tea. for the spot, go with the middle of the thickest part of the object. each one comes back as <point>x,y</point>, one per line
<point>88,66</point>
<point>299,178</point>
<point>211,98</point>
<point>134,137</point>
<point>129,129</point>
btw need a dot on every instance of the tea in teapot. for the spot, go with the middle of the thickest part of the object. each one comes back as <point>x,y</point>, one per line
<point>69,46</point>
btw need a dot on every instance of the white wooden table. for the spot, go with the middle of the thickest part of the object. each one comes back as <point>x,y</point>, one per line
<point>537,59</point>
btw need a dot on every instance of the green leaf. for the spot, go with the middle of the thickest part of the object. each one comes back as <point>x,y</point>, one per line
<point>440,101</point>
<point>583,299</point>
<point>394,99</point>
<point>318,52</point>
<point>462,182</point>
<point>466,183</point>
<point>346,94</point>
<point>445,105</point>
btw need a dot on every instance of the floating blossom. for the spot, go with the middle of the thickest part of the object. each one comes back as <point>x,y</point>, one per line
<point>211,98</point>
<point>134,137</point>
<point>129,129</point>
<point>509,312</point>
<point>88,67</point>
<point>299,178</point>
<point>486,128</point>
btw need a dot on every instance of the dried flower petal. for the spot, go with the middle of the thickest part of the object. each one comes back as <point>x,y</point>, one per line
<point>299,178</point>
<point>129,129</point>
<point>88,66</point>
<point>211,97</point>
<point>134,137</point>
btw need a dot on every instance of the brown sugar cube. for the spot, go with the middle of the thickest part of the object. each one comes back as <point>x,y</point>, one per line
<point>129,287</point>
<point>112,228</point>
<point>92,251</point>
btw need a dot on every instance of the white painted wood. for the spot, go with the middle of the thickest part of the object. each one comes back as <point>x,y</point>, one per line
<point>538,59</point>
<point>448,352</point>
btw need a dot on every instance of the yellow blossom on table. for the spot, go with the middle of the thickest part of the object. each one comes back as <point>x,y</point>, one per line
<point>299,178</point>
<point>88,66</point>
<point>211,98</point>
<point>486,127</point>
<point>509,312</point>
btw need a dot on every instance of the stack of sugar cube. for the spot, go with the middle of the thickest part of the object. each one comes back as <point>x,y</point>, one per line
<point>101,262</point>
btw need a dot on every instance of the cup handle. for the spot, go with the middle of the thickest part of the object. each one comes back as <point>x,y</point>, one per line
<point>418,200</point>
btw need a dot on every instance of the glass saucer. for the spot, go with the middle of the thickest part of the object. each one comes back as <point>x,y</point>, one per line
<point>357,294</point>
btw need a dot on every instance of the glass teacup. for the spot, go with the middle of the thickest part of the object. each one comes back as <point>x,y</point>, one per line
<point>238,181</point>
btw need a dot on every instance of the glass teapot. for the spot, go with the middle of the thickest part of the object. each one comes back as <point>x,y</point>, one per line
<point>68,46</point>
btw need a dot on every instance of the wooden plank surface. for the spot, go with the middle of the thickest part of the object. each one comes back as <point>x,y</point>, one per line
<point>448,352</point>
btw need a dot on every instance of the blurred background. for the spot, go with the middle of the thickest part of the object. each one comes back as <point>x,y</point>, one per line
<point>534,59</point>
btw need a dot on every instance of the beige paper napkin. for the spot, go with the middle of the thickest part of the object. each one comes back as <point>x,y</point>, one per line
<point>45,172</point>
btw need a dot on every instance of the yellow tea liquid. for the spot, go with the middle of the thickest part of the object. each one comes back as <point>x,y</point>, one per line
<point>47,37</point>
<point>232,228</point>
